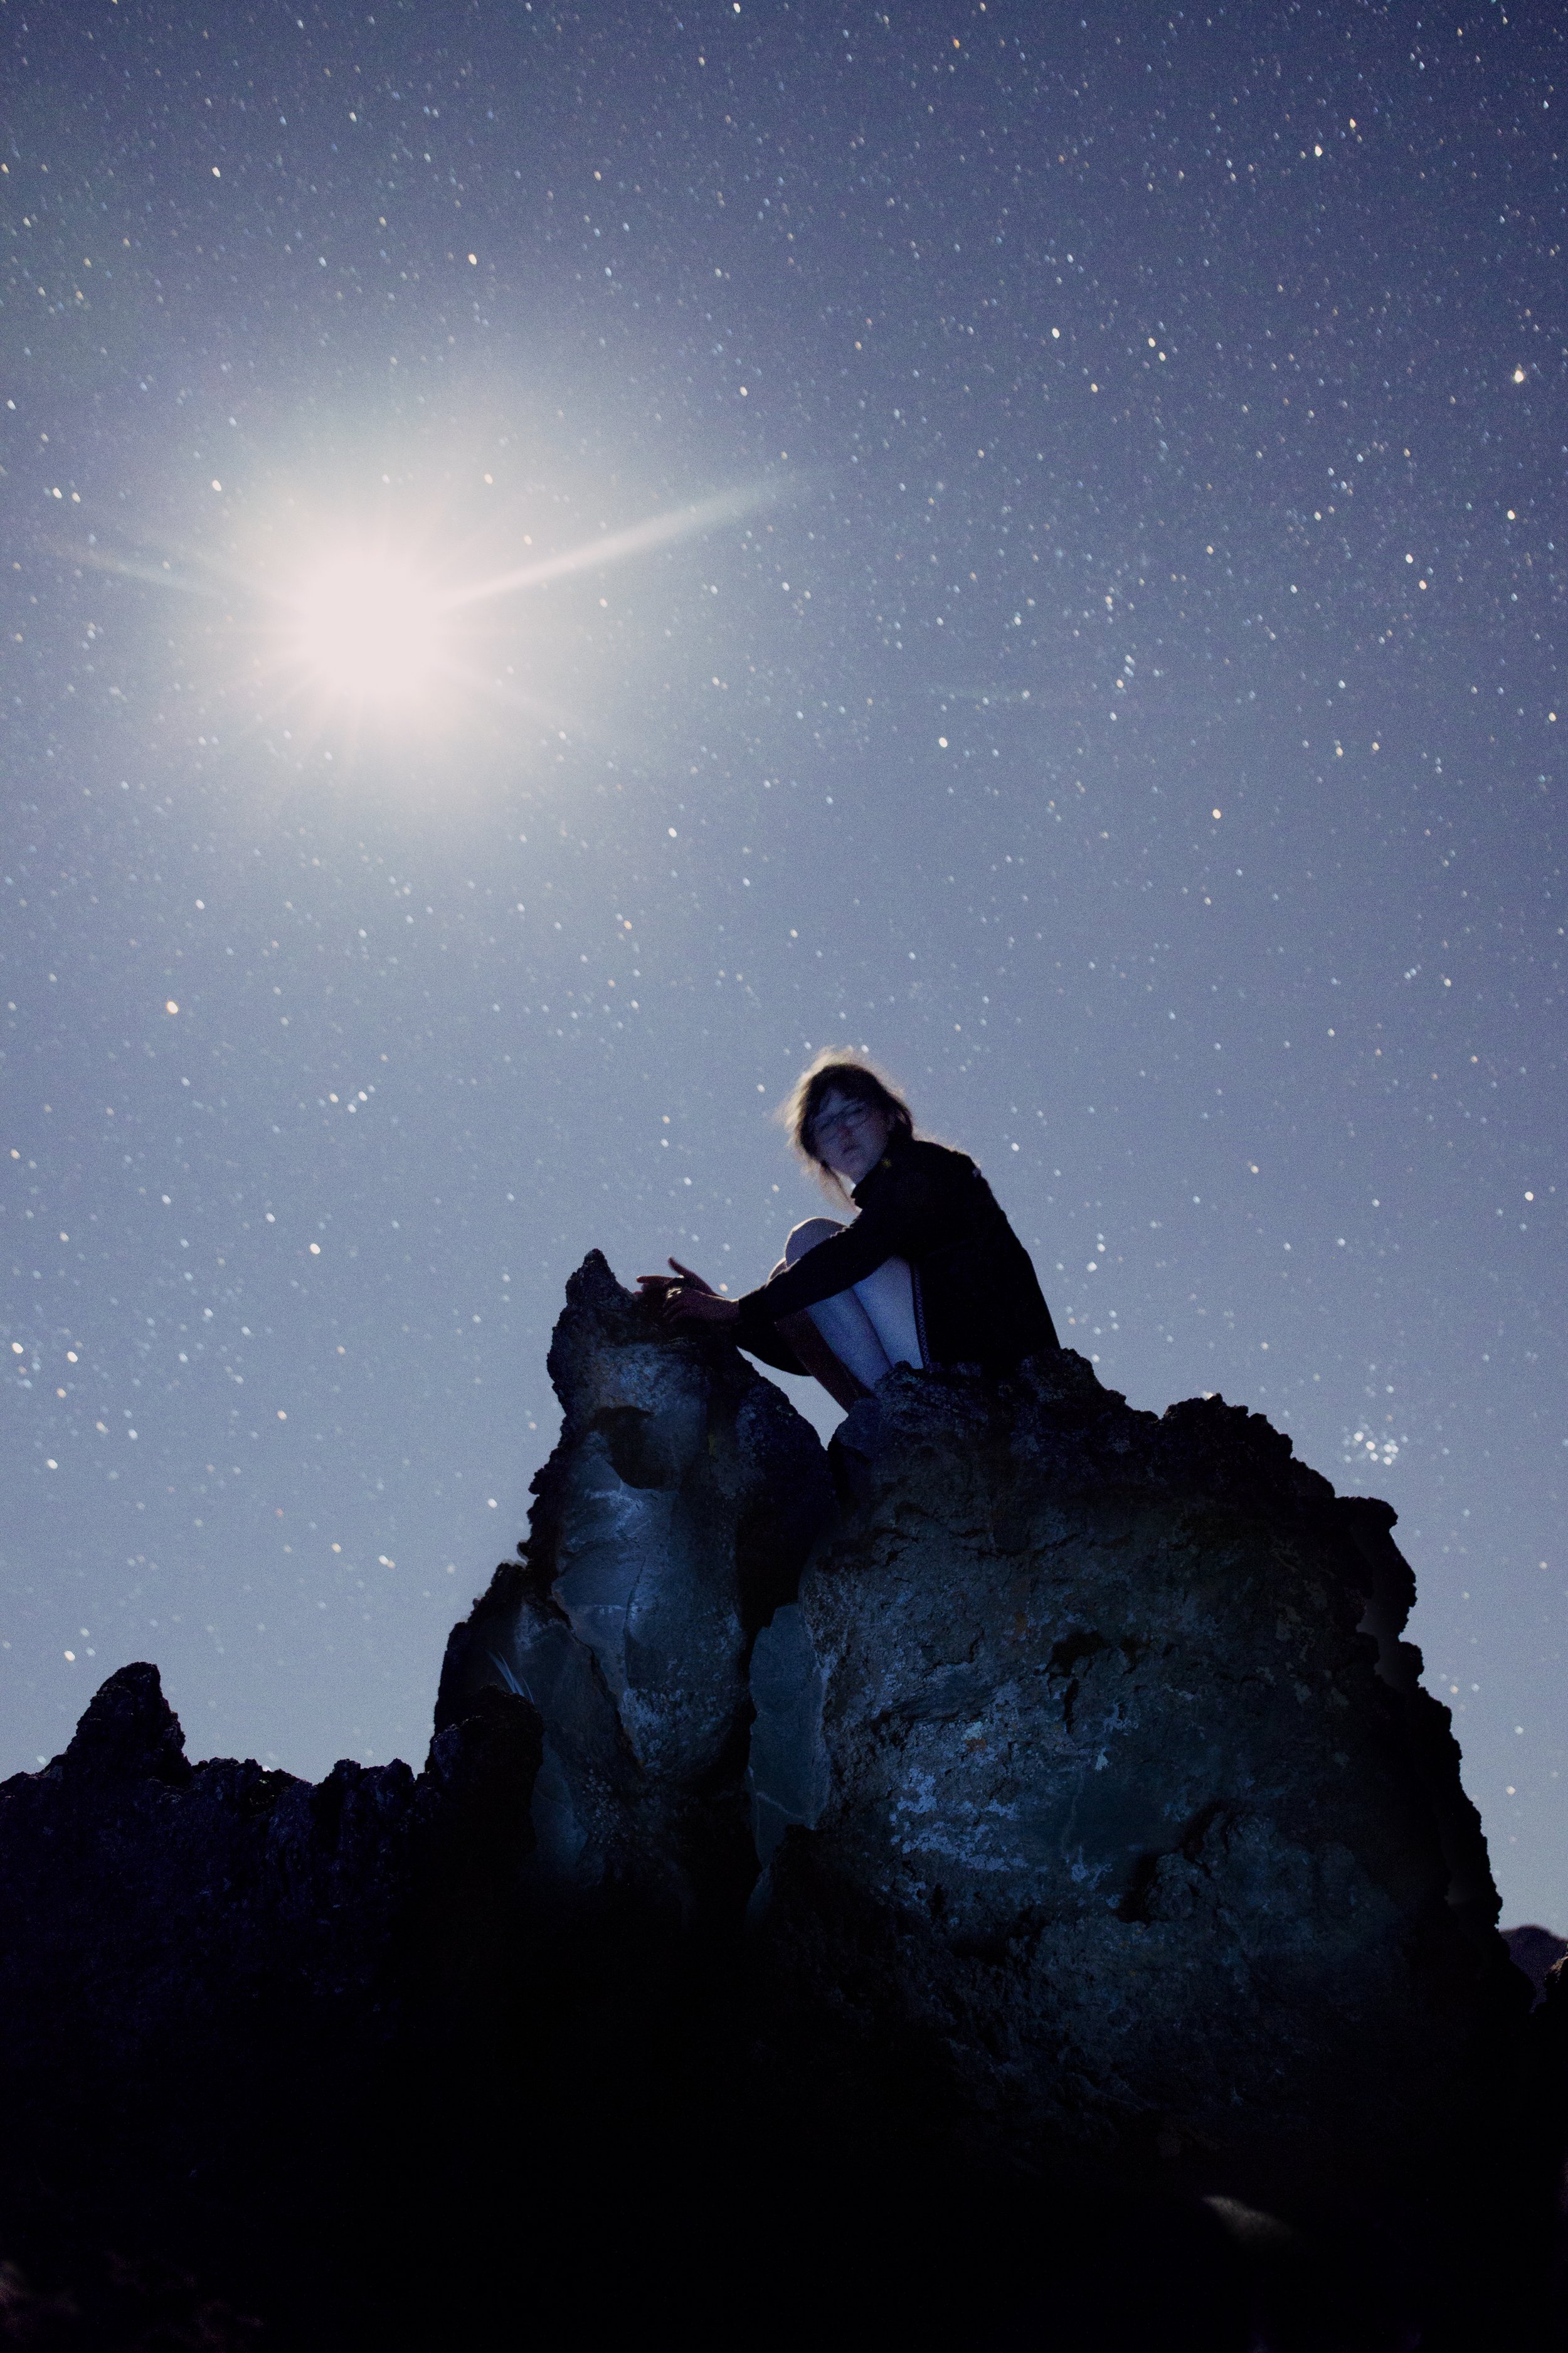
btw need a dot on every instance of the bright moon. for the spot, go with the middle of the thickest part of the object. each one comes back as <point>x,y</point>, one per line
<point>369,630</point>
<point>358,632</point>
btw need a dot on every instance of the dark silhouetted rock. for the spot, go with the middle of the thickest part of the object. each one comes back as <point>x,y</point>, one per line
<point>228,1887</point>
<point>1001,1880</point>
<point>212,1976</point>
<point>122,2305</point>
<point>129,1735</point>
<point>1535,1952</point>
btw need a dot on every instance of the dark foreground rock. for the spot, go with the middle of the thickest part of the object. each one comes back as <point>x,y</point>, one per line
<point>1003,1882</point>
<point>1535,1951</point>
<point>213,1977</point>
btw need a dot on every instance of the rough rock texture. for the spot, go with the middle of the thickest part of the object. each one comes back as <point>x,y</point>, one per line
<point>1122,1822</point>
<point>1000,1883</point>
<point>672,1518</point>
<point>1105,1785</point>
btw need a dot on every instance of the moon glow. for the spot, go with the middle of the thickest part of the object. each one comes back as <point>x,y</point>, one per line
<point>368,630</point>
<point>400,631</point>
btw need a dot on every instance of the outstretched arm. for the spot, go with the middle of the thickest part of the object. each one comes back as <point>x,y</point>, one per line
<point>683,1306</point>
<point>655,1286</point>
<point>686,1297</point>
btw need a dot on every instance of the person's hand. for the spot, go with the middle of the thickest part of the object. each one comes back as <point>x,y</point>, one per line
<point>658,1286</point>
<point>685,1297</point>
<point>684,1306</point>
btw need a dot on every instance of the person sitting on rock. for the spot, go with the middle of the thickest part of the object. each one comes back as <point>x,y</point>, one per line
<point>930,1271</point>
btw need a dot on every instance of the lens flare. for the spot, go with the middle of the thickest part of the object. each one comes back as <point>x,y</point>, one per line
<point>382,625</point>
<point>368,630</point>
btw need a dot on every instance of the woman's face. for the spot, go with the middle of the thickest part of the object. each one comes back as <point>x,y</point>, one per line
<point>850,1136</point>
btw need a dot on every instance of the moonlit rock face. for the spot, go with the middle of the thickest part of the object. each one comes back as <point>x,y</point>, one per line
<point>672,1522</point>
<point>1097,1749</point>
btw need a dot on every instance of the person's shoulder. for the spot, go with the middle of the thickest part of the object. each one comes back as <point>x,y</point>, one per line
<point>937,1159</point>
<point>933,1169</point>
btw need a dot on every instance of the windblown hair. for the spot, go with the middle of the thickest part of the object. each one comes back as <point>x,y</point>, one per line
<point>833,1072</point>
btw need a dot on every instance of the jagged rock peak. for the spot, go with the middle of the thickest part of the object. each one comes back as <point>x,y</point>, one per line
<point>671,1520</point>
<point>128,1731</point>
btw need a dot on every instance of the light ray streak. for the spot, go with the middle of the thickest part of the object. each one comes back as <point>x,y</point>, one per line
<point>510,697</point>
<point>656,531</point>
<point>99,559</point>
<point>319,660</point>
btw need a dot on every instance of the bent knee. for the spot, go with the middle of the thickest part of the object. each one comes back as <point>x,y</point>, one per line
<point>806,1235</point>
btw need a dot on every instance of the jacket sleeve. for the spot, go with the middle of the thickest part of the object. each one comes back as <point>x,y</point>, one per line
<point>902,1219</point>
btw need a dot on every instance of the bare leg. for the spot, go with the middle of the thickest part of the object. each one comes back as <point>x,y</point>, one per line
<point>887,1296</point>
<point>818,1360</point>
<point>869,1328</point>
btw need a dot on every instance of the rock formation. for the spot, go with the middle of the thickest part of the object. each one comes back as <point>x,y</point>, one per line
<point>1017,1832</point>
<point>1536,1952</point>
<point>1069,1767</point>
<point>1121,1814</point>
<point>672,1518</point>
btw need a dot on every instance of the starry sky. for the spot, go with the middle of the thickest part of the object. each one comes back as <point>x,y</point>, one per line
<point>557,560</point>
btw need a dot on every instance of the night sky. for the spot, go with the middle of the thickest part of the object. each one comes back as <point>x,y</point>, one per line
<point>1083,623</point>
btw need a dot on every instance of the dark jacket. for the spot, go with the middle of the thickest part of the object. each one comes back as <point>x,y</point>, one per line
<point>977,1299</point>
